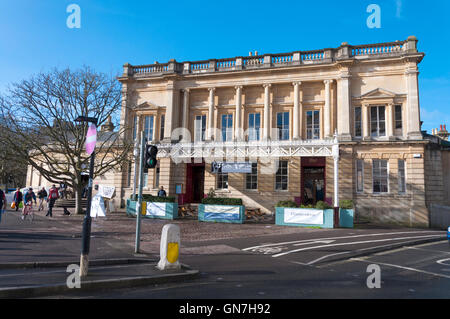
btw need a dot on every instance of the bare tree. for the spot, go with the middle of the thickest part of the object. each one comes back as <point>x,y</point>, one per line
<point>39,115</point>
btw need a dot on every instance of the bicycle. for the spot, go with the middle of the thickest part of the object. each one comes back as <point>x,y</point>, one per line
<point>28,210</point>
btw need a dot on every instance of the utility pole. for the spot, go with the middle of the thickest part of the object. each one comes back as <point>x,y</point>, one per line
<point>139,203</point>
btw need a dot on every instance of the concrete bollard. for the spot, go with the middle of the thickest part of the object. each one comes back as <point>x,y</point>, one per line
<point>170,248</point>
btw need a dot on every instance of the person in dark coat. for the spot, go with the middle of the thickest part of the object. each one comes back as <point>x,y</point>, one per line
<point>18,198</point>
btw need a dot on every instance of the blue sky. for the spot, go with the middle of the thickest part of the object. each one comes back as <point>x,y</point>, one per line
<point>34,35</point>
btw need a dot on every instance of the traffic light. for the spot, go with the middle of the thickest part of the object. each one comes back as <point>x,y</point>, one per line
<point>150,160</point>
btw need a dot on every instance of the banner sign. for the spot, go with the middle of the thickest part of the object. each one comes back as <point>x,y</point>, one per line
<point>156,209</point>
<point>98,208</point>
<point>91,139</point>
<point>303,216</point>
<point>221,212</point>
<point>231,167</point>
<point>106,191</point>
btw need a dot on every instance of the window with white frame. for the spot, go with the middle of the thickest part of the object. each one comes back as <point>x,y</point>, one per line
<point>130,165</point>
<point>359,176</point>
<point>313,125</point>
<point>148,127</point>
<point>254,125</point>
<point>358,122</point>
<point>398,120</point>
<point>281,177</point>
<point>227,127</point>
<point>252,178</point>
<point>380,176</point>
<point>134,127</point>
<point>401,177</point>
<point>200,128</point>
<point>377,121</point>
<point>163,124</point>
<point>222,179</point>
<point>283,126</point>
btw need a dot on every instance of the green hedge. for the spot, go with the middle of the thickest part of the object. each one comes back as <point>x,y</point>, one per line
<point>287,204</point>
<point>346,204</point>
<point>222,201</point>
<point>291,204</point>
<point>156,199</point>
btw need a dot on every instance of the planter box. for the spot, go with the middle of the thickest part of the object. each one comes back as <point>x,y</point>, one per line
<point>221,214</point>
<point>304,217</point>
<point>346,217</point>
<point>155,210</point>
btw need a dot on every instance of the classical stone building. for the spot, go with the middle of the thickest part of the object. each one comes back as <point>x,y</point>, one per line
<point>339,123</point>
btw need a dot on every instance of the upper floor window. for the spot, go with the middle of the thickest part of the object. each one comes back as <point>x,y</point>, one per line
<point>200,128</point>
<point>380,176</point>
<point>377,121</point>
<point>254,125</point>
<point>161,131</point>
<point>148,127</point>
<point>227,127</point>
<point>313,125</point>
<point>398,120</point>
<point>358,122</point>
<point>283,125</point>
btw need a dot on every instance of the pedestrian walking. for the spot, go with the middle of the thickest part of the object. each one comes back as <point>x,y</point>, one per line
<point>18,197</point>
<point>42,195</point>
<point>52,197</point>
<point>28,198</point>
<point>2,204</point>
<point>162,192</point>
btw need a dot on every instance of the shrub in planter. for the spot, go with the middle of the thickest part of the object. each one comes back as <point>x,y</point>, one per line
<point>157,199</point>
<point>322,205</point>
<point>307,206</point>
<point>222,201</point>
<point>287,204</point>
<point>346,204</point>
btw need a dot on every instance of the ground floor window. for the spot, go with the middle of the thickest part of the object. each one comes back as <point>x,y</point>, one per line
<point>157,170</point>
<point>380,176</point>
<point>281,178</point>
<point>222,180</point>
<point>401,177</point>
<point>252,178</point>
<point>359,176</point>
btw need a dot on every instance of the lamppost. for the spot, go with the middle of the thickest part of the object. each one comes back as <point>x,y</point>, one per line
<point>86,236</point>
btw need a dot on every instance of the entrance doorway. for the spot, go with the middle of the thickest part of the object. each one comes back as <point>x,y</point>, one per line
<point>195,182</point>
<point>313,180</point>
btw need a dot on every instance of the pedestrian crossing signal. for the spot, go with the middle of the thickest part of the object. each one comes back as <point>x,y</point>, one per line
<point>150,160</point>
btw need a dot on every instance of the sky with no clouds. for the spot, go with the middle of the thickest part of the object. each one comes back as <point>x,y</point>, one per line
<point>35,37</point>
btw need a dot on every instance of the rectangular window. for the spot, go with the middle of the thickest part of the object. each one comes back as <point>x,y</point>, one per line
<point>157,170</point>
<point>377,121</point>
<point>254,126</point>
<point>359,176</point>
<point>148,128</point>
<point>283,126</point>
<point>398,120</point>
<point>161,131</point>
<point>281,177</point>
<point>200,128</point>
<point>358,124</point>
<point>130,164</point>
<point>252,178</point>
<point>227,127</point>
<point>134,128</point>
<point>380,176</point>
<point>401,177</point>
<point>313,125</point>
<point>222,180</point>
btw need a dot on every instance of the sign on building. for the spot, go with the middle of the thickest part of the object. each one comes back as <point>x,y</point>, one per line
<point>106,191</point>
<point>231,167</point>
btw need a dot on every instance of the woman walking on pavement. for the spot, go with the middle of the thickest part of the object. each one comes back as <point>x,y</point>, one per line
<point>42,195</point>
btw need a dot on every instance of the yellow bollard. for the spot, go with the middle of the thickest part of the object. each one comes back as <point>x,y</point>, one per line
<point>170,248</point>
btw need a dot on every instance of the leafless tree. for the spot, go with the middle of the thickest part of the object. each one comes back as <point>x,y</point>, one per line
<point>39,117</point>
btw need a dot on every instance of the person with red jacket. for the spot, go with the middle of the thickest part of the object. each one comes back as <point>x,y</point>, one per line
<point>52,197</point>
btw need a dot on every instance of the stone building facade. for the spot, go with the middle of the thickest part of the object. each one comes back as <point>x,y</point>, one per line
<point>340,123</point>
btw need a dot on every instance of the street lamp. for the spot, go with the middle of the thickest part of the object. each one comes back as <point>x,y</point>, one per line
<point>86,236</point>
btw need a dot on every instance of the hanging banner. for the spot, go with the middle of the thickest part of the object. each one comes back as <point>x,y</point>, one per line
<point>98,208</point>
<point>106,191</point>
<point>91,139</point>
<point>303,216</point>
<point>231,167</point>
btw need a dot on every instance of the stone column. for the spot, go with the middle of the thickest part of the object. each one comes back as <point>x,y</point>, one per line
<point>295,115</point>
<point>365,121</point>
<point>344,102</point>
<point>327,109</point>
<point>172,111</point>
<point>390,121</point>
<point>267,110</point>
<point>210,130</point>
<point>185,122</point>
<point>413,106</point>
<point>237,122</point>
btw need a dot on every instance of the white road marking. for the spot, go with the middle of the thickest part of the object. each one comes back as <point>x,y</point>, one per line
<point>352,243</point>
<point>443,262</point>
<point>317,242</point>
<point>337,238</point>
<point>402,267</point>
